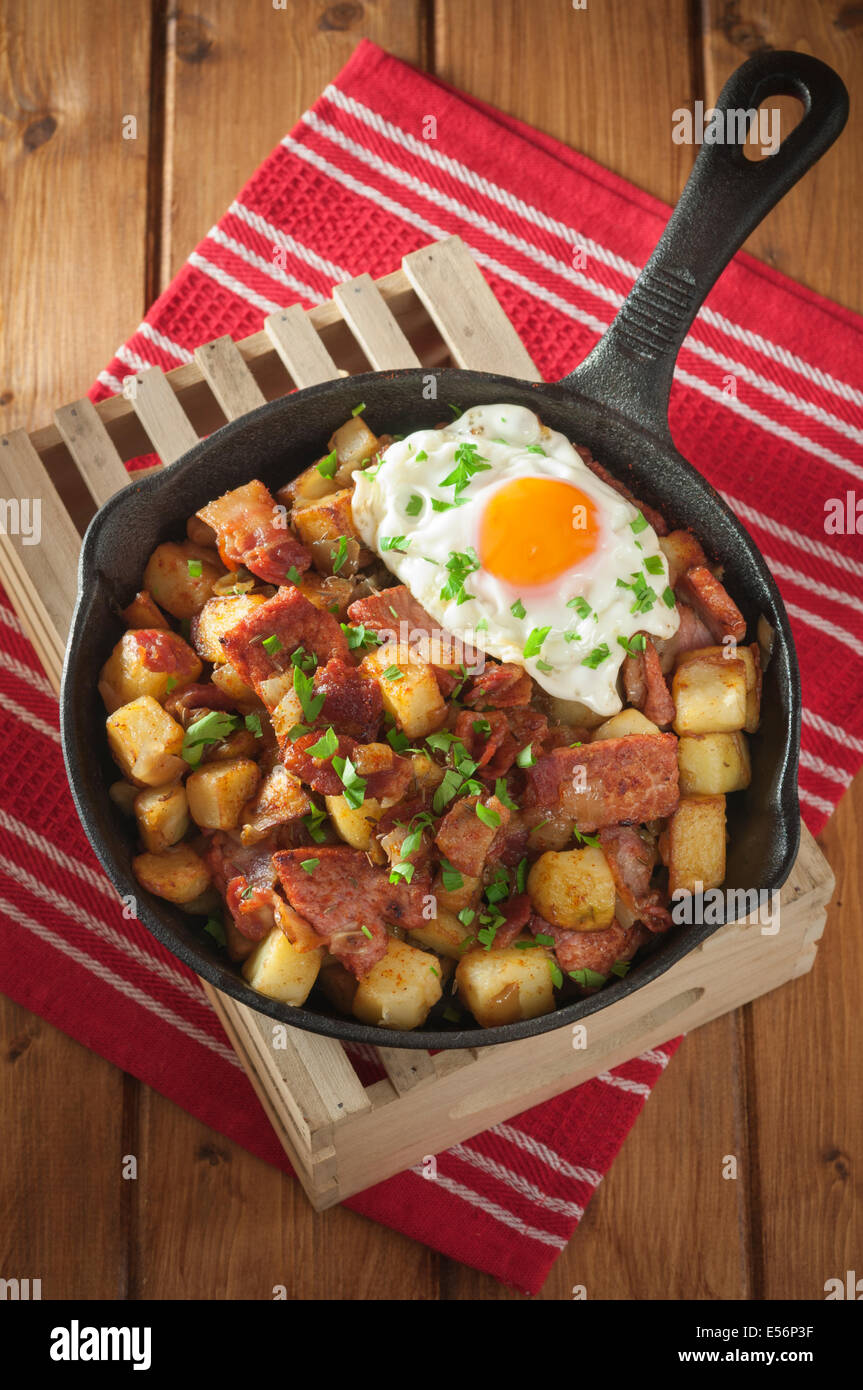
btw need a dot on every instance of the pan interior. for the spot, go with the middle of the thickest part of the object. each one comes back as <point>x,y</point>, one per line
<point>274,444</point>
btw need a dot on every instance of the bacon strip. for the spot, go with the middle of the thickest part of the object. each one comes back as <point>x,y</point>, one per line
<point>251,531</point>
<point>611,782</point>
<point>342,894</point>
<point>464,839</point>
<point>352,702</point>
<point>713,604</point>
<point>293,622</point>
<point>397,613</point>
<point>517,911</point>
<point>645,686</point>
<point>690,635</point>
<point>499,686</point>
<point>591,950</point>
<point>385,773</point>
<point>631,860</point>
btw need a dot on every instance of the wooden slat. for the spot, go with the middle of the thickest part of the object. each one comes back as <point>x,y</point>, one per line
<point>162,416</point>
<point>472,322</point>
<point>40,579</point>
<point>92,448</point>
<point>229,378</point>
<point>300,348</point>
<point>406,1069</point>
<point>372,324</point>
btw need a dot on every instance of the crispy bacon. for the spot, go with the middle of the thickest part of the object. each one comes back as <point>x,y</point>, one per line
<point>228,859</point>
<point>199,697</point>
<point>517,911</point>
<point>251,531</point>
<point>499,686</point>
<point>464,839</point>
<point>385,773</point>
<point>352,702</point>
<point>591,950</point>
<point>655,518</point>
<point>293,622</point>
<point>644,685</point>
<point>523,727</point>
<point>631,859</point>
<point>251,908</point>
<point>342,894</point>
<point>165,652</point>
<point>397,613</point>
<point>690,635</point>
<point>613,781</point>
<point>482,736</point>
<point>713,604</point>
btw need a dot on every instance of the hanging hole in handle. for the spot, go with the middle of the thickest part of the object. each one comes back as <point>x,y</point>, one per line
<point>776,118</point>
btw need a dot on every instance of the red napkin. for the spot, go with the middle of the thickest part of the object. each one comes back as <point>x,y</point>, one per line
<point>767,404</point>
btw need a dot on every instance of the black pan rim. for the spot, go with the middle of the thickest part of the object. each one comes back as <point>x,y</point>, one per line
<point>227,979</point>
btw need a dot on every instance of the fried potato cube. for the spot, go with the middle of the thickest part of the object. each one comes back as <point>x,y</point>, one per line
<point>218,616</point>
<point>123,795</point>
<point>696,845</point>
<point>399,991</point>
<point>443,933</point>
<point>327,519</point>
<point>218,792</point>
<point>427,772</point>
<point>751,658</point>
<point>713,764</point>
<point>573,888</point>
<point>287,713</point>
<point>309,486</point>
<point>143,612</point>
<point>709,693</point>
<point>356,824</point>
<point>463,894</point>
<point>628,721</point>
<point>408,686</point>
<point>148,662</point>
<point>355,447</point>
<point>330,591</point>
<point>280,798</point>
<point>180,576</point>
<point>145,743</point>
<point>228,679</point>
<point>177,874</point>
<point>162,814</point>
<point>681,551</point>
<point>505,986</point>
<point>276,968</point>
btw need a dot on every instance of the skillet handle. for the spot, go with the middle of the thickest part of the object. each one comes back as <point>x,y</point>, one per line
<point>726,196</point>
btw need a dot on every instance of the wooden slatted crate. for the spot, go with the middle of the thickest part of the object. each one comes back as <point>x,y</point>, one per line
<point>343,1136</point>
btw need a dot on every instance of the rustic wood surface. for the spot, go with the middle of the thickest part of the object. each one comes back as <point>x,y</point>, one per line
<point>92,227</point>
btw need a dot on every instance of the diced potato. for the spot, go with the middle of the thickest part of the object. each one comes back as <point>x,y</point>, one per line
<point>127,674</point>
<point>443,934</point>
<point>573,889</point>
<point>571,712</point>
<point>356,825</point>
<point>550,831</point>
<point>218,792</point>
<point>330,591</point>
<point>355,447</point>
<point>309,486</point>
<point>410,692</point>
<point>751,658</point>
<point>713,764</point>
<point>143,612</point>
<point>200,533</point>
<point>681,551</point>
<point>628,721</point>
<point>217,617</point>
<point>299,932</point>
<point>709,693</point>
<point>123,795</point>
<point>242,743</point>
<point>455,899</point>
<point>171,582</point>
<point>228,679</point>
<point>505,986</point>
<point>178,874</point>
<point>145,743</point>
<point>326,519</point>
<point>162,814</point>
<point>338,984</point>
<point>276,968</point>
<point>696,845</point>
<point>287,713</point>
<point>280,798</point>
<point>399,991</point>
<point>427,772</point>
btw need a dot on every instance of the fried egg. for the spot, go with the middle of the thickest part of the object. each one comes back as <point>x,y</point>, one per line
<point>500,530</point>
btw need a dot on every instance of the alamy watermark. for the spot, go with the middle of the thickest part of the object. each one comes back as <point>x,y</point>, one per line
<point>21,516</point>
<point>732,127</point>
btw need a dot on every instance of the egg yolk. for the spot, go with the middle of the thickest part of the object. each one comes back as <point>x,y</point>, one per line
<point>535,529</point>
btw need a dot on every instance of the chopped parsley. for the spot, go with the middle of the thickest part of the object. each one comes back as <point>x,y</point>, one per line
<point>272,645</point>
<point>620,968</point>
<point>360,636</point>
<point>555,972</point>
<point>394,543</point>
<point>521,875</point>
<point>597,656</point>
<point>340,554</point>
<point>525,757</point>
<point>325,746</point>
<point>588,979</point>
<point>582,839</point>
<point>309,865</point>
<point>354,785</point>
<point>653,564</point>
<point>414,505</point>
<point>210,728</point>
<point>293,575</point>
<point>394,673</point>
<point>328,467</point>
<point>487,814</point>
<point>638,525</point>
<point>358,409</point>
<point>668,597</point>
<point>535,639</point>
<point>421,456</point>
<point>633,645</point>
<point>468,461</point>
<point>518,609</point>
<point>314,824</point>
<point>581,606</point>
<point>310,703</point>
<point>450,877</point>
<point>195,568</point>
<point>215,929</point>
<point>253,724</point>
<point>460,564</point>
<point>365,931</point>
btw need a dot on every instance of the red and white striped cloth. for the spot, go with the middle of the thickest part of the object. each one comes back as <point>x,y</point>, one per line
<point>768,403</point>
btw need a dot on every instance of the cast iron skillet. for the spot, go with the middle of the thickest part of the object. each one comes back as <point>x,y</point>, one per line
<point>616,404</point>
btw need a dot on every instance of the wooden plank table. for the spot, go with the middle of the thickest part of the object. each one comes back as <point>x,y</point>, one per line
<point>775,1084</point>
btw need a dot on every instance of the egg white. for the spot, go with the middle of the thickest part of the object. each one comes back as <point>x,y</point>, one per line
<point>414,467</point>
